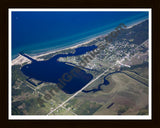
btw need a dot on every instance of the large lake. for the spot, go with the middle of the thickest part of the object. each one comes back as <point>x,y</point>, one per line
<point>51,70</point>
<point>38,32</point>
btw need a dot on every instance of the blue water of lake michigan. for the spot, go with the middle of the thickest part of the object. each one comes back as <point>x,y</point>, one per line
<point>36,32</point>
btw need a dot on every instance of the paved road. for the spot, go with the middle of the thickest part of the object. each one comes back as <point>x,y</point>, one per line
<point>77,93</point>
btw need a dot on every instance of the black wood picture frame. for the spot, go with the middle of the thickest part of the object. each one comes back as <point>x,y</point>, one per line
<point>6,4</point>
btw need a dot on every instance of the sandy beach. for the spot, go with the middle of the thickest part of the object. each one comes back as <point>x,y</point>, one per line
<point>130,26</point>
<point>21,59</point>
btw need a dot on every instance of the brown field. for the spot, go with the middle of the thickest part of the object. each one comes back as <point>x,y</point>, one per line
<point>124,95</point>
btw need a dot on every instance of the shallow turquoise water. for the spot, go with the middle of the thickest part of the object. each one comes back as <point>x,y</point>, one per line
<point>38,32</point>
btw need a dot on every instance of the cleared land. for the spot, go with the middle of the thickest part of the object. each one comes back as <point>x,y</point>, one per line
<point>124,95</point>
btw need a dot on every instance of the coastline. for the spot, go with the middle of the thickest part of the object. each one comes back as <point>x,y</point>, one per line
<point>20,59</point>
<point>136,23</point>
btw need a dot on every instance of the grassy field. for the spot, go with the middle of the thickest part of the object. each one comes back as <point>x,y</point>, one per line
<point>137,77</point>
<point>123,96</point>
<point>82,107</point>
<point>28,99</point>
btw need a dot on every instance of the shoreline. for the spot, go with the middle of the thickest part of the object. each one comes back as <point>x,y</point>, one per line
<point>19,60</point>
<point>136,23</point>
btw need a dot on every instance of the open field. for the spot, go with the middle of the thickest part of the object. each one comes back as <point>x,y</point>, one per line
<point>123,95</point>
<point>28,99</point>
<point>124,63</point>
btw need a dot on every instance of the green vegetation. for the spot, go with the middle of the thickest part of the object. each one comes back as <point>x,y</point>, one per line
<point>83,107</point>
<point>137,77</point>
<point>143,111</point>
<point>17,74</point>
<point>128,95</point>
<point>126,90</point>
<point>122,110</point>
<point>136,34</point>
<point>15,110</point>
<point>141,70</point>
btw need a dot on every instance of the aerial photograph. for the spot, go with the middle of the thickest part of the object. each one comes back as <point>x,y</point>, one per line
<point>79,63</point>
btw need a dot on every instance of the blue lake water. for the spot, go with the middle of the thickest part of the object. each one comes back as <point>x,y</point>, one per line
<point>38,32</point>
<point>52,70</point>
<point>105,82</point>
